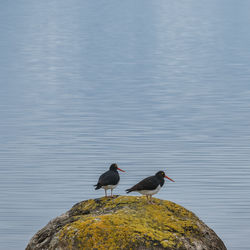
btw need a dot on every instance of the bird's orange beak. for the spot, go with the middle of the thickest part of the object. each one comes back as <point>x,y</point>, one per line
<point>169,178</point>
<point>120,169</point>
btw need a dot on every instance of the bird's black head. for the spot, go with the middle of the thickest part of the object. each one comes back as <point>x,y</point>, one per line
<point>162,175</point>
<point>114,167</point>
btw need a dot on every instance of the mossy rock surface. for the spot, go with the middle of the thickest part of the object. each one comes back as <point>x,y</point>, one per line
<point>126,222</point>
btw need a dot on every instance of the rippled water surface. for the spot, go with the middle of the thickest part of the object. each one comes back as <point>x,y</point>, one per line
<point>151,85</point>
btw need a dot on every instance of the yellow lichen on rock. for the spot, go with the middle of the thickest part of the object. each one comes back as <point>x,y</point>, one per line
<point>128,222</point>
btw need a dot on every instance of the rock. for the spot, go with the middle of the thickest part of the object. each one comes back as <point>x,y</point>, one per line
<point>126,222</point>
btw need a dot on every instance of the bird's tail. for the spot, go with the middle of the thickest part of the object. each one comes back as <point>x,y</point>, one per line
<point>97,186</point>
<point>129,190</point>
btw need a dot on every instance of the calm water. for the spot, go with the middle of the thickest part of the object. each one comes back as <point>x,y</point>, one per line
<point>151,85</point>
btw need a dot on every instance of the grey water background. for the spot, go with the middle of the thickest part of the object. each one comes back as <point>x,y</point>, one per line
<point>151,85</point>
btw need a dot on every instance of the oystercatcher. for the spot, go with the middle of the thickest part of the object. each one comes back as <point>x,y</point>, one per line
<point>110,179</point>
<point>150,185</point>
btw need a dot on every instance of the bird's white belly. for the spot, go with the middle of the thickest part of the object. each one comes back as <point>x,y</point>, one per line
<point>150,192</point>
<point>109,187</point>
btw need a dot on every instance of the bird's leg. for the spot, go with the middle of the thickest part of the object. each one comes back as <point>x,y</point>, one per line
<point>147,198</point>
<point>111,192</point>
<point>105,192</point>
<point>151,199</point>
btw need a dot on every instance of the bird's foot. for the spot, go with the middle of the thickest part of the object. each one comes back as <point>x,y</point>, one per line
<point>151,199</point>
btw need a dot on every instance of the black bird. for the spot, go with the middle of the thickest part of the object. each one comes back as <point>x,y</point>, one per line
<point>110,179</point>
<point>150,185</point>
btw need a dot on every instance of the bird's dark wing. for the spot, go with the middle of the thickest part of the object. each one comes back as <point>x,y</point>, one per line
<point>149,183</point>
<point>109,178</point>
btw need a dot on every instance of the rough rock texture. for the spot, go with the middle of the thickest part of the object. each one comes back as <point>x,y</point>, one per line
<point>126,222</point>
